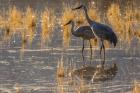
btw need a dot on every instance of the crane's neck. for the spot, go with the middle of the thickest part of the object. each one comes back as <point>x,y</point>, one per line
<point>87,17</point>
<point>91,22</point>
<point>72,28</point>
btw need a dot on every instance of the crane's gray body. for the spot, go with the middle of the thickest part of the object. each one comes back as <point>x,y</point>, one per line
<point>104,32</point>
<point>84,32</point>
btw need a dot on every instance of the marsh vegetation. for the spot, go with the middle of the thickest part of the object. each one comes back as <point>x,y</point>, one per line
<point>39,41</point>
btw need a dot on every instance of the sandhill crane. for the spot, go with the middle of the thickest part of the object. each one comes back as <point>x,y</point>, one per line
<point>85,33</point>
<point>101,31</point>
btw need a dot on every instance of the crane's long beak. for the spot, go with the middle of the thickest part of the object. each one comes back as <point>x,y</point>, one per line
<point>78,7</point>
<point>67,23</point>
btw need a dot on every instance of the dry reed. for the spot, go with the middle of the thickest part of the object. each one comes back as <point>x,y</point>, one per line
<point>30,23</point>
<point>67,15</point>
<point>47,25</point>
<point>136,88</point>
<point>15,18</point>
<point>60,73</point>
<point>115,18</point>
<point>2,22</point>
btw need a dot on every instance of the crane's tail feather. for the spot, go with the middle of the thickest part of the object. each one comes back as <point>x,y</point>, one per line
<point>114,39</point>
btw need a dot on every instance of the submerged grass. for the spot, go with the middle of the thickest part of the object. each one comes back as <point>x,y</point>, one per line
<point>67,15</point>
<point>60,75</point>
<point>11,22</point>
<point>2,21</point>
<point>60,70</point>
<point>115,19</point>
<point>79,18</point>
<point>136,87</point>
<point>122,21</point>
<point>30,22</point>
<point>15,18</point>
<point>94,14</point>
<point>47,25</point>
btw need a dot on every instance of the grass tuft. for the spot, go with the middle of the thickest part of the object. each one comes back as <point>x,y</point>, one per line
<point>47,25</point>
<point>30,22</point>
<point>67,15</point>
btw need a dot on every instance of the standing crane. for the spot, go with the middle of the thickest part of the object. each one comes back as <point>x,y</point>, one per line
<point>101,31</point>
<point>85,33</point>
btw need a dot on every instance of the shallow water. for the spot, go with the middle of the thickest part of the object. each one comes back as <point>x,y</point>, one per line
<point>35,72</point>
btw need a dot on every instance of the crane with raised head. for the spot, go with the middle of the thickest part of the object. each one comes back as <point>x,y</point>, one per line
<point>101,31</point>
<point>85,33</point>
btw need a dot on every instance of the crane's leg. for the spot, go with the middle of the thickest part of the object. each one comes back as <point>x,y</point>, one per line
<point>104,54</point>
<point>83,52</point>
<point>101,52</point>
<point>90,51</point>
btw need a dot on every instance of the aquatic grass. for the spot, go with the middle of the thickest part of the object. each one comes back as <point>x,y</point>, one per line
<point>79,18</point>
<point>47,25</point>
<point>94,42</point>
<point>115,18</point>
<point>136,87</point>
<point>60,70</point>
<point>107,44</point>
<point>129,24</point>
<point>24,41</point>
<point>67,15</point>
<point>94,14</point>
<point>60,74</point>
<point>123,23</point>
<point>137,15</point>
<point>17,88</point>
<point>29,28</point>
<point>14,18</point>
<point>7,33</point>
<point>30,22</point>
<point>137,34</point>
<point>10,23</point>
<point>131,19</point>
<point>82,87</point>
<point>136,19</point>
<point>2,21</point>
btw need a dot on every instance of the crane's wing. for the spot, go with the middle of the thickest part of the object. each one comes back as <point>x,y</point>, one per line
<point>105,32</point>
<point>85,32</point>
